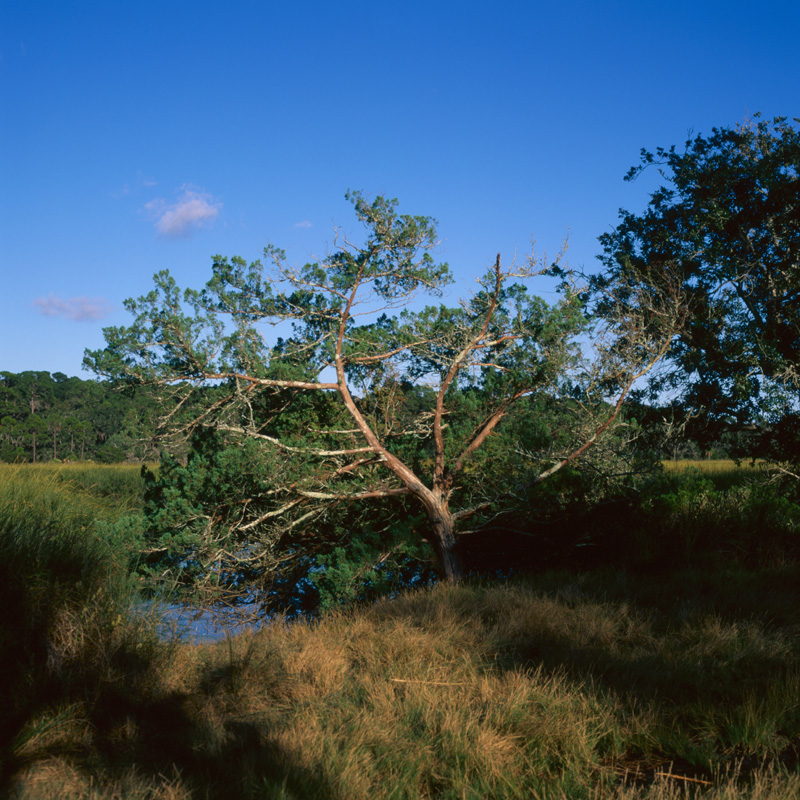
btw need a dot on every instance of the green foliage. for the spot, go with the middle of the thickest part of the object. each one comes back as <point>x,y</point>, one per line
<point>686,520</point>
<point>182,502</point>
<point>373,563</point>
<point>352,557</point>
<point>723,230</point>
<point>46,417</point>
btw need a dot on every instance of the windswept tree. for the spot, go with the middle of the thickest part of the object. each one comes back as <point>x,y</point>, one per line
<point>724,227</point>
<point>335,392</point>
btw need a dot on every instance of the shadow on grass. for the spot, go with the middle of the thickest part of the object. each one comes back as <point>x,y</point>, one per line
<point>130,733</point>
<point>668,637</point>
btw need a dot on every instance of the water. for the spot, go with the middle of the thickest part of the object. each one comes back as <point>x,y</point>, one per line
<point>201,625</point>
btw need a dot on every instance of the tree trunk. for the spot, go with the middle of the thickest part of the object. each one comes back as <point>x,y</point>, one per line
<point>443,538</point>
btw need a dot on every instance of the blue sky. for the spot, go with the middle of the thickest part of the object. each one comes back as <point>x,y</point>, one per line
<point>138,136</point>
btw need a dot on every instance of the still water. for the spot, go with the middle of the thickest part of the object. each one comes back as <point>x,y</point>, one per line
<point>195,625</point>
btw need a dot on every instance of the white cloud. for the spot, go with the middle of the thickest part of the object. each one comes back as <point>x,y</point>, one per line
<point>304,224</point>
<point>79,309</point>
<point>193,210</point>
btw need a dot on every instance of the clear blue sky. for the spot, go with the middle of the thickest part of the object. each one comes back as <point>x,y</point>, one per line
<point>137,136</point>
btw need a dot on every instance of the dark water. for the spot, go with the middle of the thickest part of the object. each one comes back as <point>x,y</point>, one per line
<point>195,625</point>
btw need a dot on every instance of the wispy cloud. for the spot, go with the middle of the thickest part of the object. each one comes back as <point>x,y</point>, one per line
<point>304,224</point>
<point>193,210</point>
<point>79,309</point>
<point>142,182</point>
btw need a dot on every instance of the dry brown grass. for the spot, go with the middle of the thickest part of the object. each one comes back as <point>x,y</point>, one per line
<point>504,691</point>
<point>564,685</point>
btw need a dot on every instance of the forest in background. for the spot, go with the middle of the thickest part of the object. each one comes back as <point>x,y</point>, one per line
<point>46,417</point>
<point>55,417</point>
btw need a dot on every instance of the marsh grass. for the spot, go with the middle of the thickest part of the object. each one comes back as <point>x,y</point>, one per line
<point>723,473</point>
<point>116,485</point>
<point>660,684</point>
<point>564,686</point>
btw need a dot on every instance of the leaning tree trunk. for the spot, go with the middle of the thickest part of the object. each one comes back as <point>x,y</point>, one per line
<point>443,538</point>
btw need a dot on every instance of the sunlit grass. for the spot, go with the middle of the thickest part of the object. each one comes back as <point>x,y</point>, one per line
<point>117,485</point>
<point>563,685</point>
<point>723,473</point>
<point>712,466</point>
<point>606,686</point>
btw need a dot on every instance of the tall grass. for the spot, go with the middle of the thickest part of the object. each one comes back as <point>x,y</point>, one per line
<point>656,683</point>
<point>64,593</point>
<point>118,484</point>
<point>562,686</point>
<point>723,473</point>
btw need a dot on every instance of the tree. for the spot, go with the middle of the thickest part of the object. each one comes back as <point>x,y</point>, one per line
<point>327,414</point>
<point>725,227</point>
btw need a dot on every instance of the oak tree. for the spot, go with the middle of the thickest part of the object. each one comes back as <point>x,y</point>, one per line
<point>725,227</point>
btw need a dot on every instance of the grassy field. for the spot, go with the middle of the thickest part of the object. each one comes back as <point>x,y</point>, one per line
<point>724,473</point>
<point>660,683</point>
<point>118,483</point>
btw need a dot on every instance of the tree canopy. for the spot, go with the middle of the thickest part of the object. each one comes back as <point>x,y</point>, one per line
<point>725,228</point>
<point>54,417</point>
<point>333,390</point>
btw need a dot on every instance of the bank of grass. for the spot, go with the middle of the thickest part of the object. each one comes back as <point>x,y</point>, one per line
<point>118,486</point>
<point>723,473</point>
<point>661,683</point>
<point>599,685</point>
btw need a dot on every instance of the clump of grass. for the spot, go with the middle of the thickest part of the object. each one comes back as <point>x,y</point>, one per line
<point>600,685</point>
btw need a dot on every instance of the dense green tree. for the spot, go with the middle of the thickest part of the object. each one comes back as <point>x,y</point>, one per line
<point>725,228</point>
<point>324,416</point>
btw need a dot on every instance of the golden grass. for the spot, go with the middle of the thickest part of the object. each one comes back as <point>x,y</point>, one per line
<point>504,691</point>
<point>711,466</point>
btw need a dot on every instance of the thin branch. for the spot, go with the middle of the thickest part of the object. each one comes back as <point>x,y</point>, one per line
<point>358,496</point>
<point>269,381</point>
<point>289,448</point>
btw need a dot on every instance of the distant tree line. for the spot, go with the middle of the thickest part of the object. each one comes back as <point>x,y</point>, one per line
<point>46,417</point>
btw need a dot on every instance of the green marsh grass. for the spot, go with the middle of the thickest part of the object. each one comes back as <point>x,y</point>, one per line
<point>723,473</point>
<point>119,485</point>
